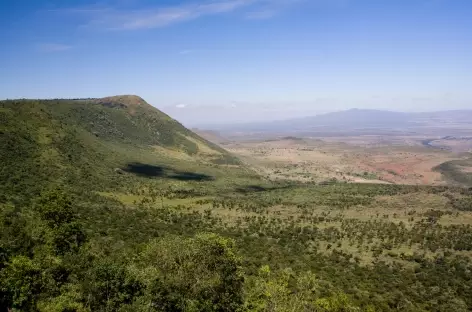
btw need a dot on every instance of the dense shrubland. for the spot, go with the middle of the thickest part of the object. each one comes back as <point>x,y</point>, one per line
<point>51,261</point>
<point>259,253</point>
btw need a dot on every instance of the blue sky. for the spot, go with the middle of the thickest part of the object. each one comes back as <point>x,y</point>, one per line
<point>242,60</point>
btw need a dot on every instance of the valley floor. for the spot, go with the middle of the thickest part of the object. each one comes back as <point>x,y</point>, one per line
<point>351,159</point>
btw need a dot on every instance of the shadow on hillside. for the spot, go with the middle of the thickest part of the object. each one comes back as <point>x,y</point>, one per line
<point>258,188</point>
<point>152,171</point>
<point>251,189</point>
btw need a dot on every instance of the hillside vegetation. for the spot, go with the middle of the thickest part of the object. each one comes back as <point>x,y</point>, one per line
<point>94,142</point>
<point>457,171</point>
<point>110,205</point>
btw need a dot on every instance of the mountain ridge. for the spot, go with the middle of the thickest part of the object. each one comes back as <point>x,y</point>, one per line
<point>352,119</point>
<point>95,142</point>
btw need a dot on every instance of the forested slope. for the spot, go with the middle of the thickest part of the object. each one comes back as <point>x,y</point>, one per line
<point>90,142</point>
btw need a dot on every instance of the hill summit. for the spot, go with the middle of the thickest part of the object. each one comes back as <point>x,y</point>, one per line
<point>128,101</point>
<point>89,141</point>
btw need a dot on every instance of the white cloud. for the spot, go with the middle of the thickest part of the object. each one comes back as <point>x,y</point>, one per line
<point>53,47</point>
<point>180,105</point>
<point>154,17</point>
<point>115,18</point>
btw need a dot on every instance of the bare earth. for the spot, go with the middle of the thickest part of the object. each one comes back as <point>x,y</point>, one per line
<point>363,159</point>
<point>466,169</point>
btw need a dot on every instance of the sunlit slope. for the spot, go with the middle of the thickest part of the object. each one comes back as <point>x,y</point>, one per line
<point>101,143</point>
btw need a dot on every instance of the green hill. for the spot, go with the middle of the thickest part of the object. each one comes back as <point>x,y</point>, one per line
<point>100,144</point>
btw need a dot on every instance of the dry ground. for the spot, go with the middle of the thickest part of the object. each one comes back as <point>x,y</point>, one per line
<point>369,159</point>
<point>456,145</point>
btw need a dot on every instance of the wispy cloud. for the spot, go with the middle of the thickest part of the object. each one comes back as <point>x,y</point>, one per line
<point>53,47</point>
<point>185,52</point>
<point>115,18</point>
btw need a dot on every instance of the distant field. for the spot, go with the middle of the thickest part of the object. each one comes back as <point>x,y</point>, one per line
<point>360,159</point>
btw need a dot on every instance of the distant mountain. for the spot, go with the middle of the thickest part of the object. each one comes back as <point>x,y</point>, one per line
<point>95,142</point>
<point>363,120</point>
<point>356,118</point>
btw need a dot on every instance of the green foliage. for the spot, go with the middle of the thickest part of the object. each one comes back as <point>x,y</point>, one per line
<point>83,144</point>
<point>64,233</point>
<point>92,218</point>
<point>55,207</point>
<point>21,282</point>
<point>286,291</point>
<point>60,273</point>
<point>108,286</point>
<point>196,274</point>
<point>68,301</point>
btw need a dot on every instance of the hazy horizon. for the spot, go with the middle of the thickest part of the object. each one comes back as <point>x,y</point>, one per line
<point>233,61</point>
<point>208,116</point>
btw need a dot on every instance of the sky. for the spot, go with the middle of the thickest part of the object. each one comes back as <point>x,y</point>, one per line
<point>226,61</point>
